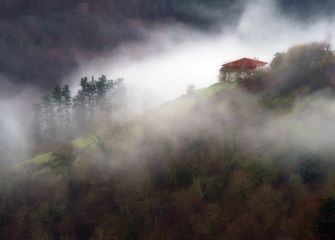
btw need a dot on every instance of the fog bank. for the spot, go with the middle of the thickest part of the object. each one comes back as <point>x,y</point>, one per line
<point>161,67</point>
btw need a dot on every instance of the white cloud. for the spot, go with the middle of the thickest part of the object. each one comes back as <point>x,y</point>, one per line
<point>173,57</point>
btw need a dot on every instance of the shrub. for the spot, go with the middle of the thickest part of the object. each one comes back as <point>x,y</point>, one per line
<point>310,168</point>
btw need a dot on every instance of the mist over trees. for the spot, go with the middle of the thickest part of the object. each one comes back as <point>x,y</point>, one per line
<point>216,163</point>
<point>251,159</point>
<point>61,114</point>
<point>301,70</point>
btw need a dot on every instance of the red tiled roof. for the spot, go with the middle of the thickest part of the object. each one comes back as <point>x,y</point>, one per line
<point>244,63</point>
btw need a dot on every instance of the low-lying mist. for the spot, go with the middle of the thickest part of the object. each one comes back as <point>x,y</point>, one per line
<point>161,67</point>
<point>173,57</point>
<point>237,117</point>
<point>15,125</point>
<point>151,157</point>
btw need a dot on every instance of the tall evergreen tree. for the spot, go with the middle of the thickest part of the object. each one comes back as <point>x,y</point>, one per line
<point>49,117</point>
<point>94,100</point>
<point>79,109</point>
<point>37,123</point>
<point>102,87</point>
<point>91,96</point>
<point>56,96</point>
<point>67,103</point>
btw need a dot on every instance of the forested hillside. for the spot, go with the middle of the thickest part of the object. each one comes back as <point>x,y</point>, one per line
<point>247,160</point>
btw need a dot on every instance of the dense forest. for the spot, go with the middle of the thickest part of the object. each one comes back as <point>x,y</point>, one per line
<point>243,160</point>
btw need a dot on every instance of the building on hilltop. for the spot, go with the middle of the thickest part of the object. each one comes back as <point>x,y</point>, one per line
<point>240,69</point>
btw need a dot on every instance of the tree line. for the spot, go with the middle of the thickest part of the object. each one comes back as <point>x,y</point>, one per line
<point>59,113</point>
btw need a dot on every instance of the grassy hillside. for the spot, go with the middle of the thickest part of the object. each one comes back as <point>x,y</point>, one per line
<point>182,105</point>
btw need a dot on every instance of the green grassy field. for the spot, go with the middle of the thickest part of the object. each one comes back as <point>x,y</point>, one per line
<point>43,158</point>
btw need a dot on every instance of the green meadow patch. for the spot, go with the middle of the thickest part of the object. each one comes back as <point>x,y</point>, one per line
<point>43,158</point>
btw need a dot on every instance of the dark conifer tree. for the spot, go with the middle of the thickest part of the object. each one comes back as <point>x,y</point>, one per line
<point>67,103</point>
<point>91,97</point>
<point>37,123</point>
<point>57,100</point>
<point>102,87</point>
<point>79,109</point>
<point>49,117</point>
<point>94,100</point>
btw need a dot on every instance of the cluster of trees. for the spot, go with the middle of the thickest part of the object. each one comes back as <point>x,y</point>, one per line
<point>59,113</point>
<point>300,70</point>
<point>200,188</point>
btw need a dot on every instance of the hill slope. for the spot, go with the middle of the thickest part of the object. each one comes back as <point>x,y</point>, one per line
<point>182,105</point>
<point>254,160</point>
